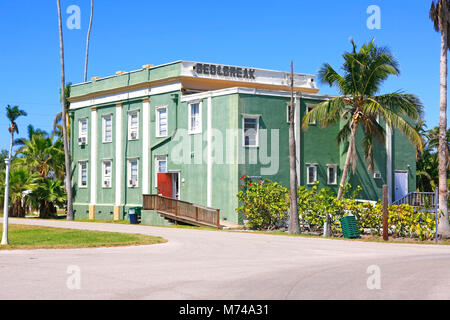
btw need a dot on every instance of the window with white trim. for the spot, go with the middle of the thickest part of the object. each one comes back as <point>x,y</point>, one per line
<point>107,173</point>
<point>160,166</point>
<point>83,131</point>
<point>133,173</point>
<point>83,174</point>
<point>288,113</point>
<point>195,117</point>
<point>250,132</point>
<point>133,125</point>
<point>308,109</point>
<point>311,173</point>
<point>332,174</point>
<point>161,122</point>
<point>107,128</point>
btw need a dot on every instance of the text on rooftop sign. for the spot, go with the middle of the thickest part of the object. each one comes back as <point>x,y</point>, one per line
<point>226,71</point>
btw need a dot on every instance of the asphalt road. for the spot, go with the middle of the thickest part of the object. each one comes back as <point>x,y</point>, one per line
<point>198,264</point>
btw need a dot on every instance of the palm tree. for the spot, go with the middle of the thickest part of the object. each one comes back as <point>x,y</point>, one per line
<point>360,106</point>
<point>31,131</point>
<point>22,181</point>
<point>48,194</point>
<point>12,113</point>
<point>68,182</point>
<point>87,41</point>
<point>57,122</point>
<point>440,16</point>
<point>294,225</point>
<point>42,156</point>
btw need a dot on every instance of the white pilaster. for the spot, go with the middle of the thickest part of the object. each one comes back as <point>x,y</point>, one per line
<point>118,158</point>
<point>145,146</point>
<point>209,153</point>
<point>389,161</point>
<point>93,166</point>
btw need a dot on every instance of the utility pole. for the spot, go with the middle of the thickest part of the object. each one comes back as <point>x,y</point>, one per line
<point>385,213</point>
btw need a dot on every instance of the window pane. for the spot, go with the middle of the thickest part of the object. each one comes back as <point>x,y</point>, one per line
<point>162,119</point>
<point>250,131</point>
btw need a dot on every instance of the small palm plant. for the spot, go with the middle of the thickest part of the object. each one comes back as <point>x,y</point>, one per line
<point>12,113</point>
<point>359,104</point>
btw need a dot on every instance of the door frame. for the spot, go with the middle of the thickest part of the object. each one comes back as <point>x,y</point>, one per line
<point>178,173</point>
<point>407,182</point>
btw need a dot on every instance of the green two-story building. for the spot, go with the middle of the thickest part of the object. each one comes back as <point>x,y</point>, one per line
<point>189,131</point>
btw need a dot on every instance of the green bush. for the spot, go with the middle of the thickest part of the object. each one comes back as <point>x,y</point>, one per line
<point>265,203</point>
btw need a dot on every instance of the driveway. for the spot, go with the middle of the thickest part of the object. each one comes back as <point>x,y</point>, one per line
<point>202,264</point>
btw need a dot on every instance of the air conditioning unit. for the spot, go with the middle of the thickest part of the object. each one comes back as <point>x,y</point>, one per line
<point>377,175</point>
<point>82,140</point>
<point>134,135</point>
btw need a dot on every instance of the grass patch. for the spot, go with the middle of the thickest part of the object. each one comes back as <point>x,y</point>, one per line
<point>36,237</point>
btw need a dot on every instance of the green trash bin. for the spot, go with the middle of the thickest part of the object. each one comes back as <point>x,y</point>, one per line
<point>137,212</point>
<point>349,227</point>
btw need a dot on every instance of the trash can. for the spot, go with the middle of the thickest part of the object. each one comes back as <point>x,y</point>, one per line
<point>135,215</point>
<point>132,216</point>
<point>349,227</point>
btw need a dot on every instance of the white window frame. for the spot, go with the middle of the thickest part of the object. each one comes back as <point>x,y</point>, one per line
<point>158,159</point>
<point>308,109</point>
<point>130,115</point>
<point>335,167</point>
<point>288,107</point>
<point>250,116</point>
<point>157,133</point>
<point>104,128</point>
<point>307,173</point>
<point>129,161</point>
<point>80,132</point>
<point>80,163</point>
<point>190,129</point>
<point>104,176</point>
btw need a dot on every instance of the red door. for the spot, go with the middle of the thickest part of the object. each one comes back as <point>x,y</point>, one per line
<point>165,184</point>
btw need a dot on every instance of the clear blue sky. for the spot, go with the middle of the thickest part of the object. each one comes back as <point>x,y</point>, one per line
<point>262,34</point>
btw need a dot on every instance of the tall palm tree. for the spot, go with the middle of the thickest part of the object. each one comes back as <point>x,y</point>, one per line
<point>360,106</point>
<point>68,182</point>
<point>440,16</point>
<point>294,225</point>
<point>87,41</point>
<point>12,113</point>
<point>31,131</point>
<point>57,122</point>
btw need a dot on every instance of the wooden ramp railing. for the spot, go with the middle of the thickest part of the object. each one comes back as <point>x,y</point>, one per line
<point>182,211</point>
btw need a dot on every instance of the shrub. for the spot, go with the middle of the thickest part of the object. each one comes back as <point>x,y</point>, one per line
<point>265,203</point>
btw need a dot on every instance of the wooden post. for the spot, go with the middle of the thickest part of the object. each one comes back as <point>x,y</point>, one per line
<point>218,218</point>
<point>385,213</point>
<point>196,213</point>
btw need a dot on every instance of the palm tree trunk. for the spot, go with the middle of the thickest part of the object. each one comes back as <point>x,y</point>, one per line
<point>347,160</point>
<point>68,183</point>
<point>294,226</point>
<point>87,41</point>
<point>443,226</point>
